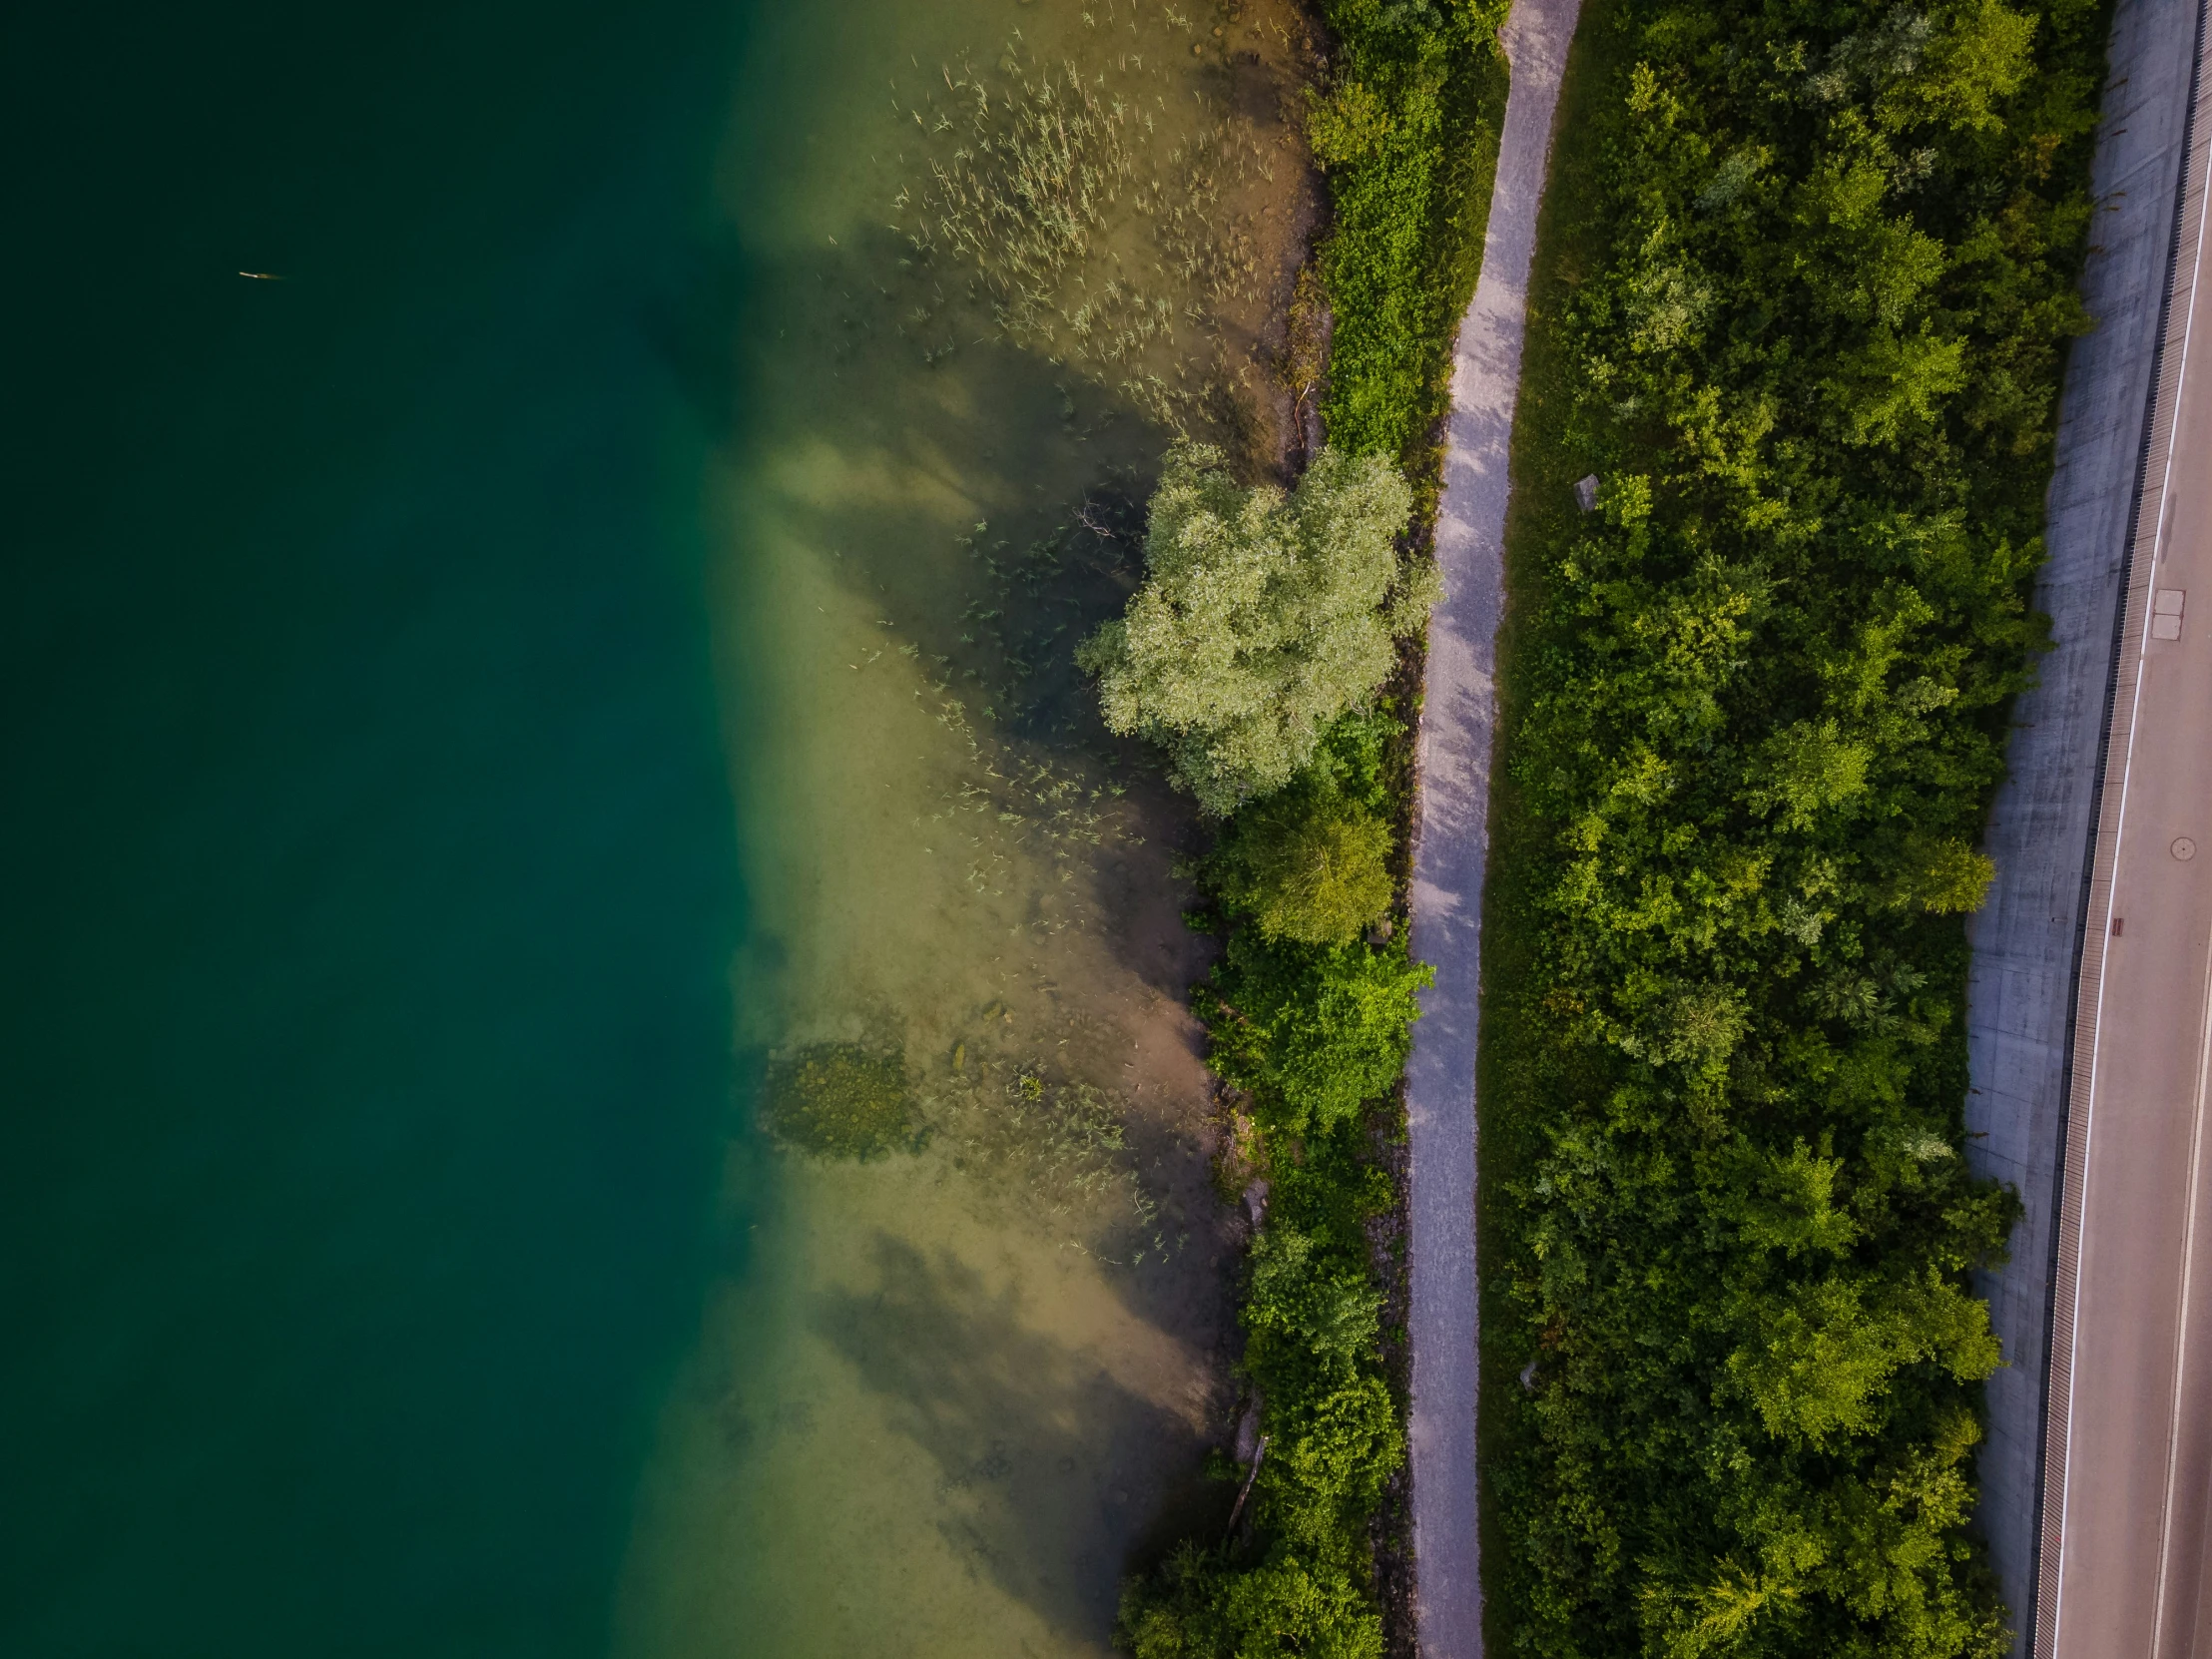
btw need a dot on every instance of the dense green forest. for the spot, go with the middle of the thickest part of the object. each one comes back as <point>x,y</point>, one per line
<point>1304,767</point>
<point>1806,281</point>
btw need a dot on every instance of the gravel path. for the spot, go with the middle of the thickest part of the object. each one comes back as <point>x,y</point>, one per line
<point>1453,845</point>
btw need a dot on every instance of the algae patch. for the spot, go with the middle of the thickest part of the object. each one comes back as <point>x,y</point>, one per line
<point>841,1100</point>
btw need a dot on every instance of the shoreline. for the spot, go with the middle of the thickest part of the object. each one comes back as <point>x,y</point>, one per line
<point>1389,390</point>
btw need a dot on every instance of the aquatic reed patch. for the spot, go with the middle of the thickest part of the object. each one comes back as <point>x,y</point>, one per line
<point>1053,1143</point>
<point>1094,219</point>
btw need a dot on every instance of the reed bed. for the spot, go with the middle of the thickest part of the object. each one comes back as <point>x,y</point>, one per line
<point>1097,213</point>
<point>1055,1146</point>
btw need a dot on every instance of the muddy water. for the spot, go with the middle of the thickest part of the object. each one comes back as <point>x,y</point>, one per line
<point>984,261</point>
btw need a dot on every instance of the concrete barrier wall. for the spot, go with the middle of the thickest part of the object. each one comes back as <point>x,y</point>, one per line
<point>2026,939</point>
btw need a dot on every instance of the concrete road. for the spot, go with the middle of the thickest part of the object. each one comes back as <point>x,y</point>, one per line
<point>1451,845</point>
<point>2026,939</point>
<point>2128,1483</point>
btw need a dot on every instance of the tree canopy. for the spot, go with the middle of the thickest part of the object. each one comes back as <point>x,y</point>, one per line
<point>1808,282</point>
<point>1264,616</point>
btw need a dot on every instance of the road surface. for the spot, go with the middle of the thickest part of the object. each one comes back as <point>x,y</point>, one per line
<point>2026,939</point>
<point>1452,842</point>
<point>2128,1457</point>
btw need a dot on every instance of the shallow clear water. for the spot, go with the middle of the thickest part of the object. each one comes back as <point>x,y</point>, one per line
<point>600,622</point>
<point>958,1389</point>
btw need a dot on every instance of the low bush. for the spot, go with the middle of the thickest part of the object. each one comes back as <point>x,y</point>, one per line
<point>1406,130</point>
<point>1310,873</point>
<point>1311,865</point>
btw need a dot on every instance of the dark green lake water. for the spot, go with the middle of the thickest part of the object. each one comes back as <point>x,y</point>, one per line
<point>600,620</point>
<point>368,846</point>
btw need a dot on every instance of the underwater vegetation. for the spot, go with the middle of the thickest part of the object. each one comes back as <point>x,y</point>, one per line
<point>1088,225</point>
<point>840,1100</point>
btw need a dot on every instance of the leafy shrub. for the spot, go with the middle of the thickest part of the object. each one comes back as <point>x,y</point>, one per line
<point>1310,871</point>
<point>1263,617</point>
<point>1283,1608</point>
<point>1316,1031</point>
<point>840,1100</point>
<point>1409,132</point>
<point>1344,124</point>
<point>1312,864</point>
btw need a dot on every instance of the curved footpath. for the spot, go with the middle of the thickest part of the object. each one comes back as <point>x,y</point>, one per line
<point>1451,844</point>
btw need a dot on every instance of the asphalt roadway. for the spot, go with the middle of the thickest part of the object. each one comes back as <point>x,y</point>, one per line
<point>1451,845</point>
<point>2129,1483</point>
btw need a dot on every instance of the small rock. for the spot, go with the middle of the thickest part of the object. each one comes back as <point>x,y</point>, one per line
<point>1585,493</point>
<point>1247,1432</point>
<point>1380,932</point>
<point>1256,1201</point>
<point>1528,1377</point>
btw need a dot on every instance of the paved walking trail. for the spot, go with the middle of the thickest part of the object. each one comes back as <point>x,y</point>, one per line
<point>1453,845</point>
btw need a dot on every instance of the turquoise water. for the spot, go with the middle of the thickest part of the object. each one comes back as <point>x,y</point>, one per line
<point>601,620</point>
<point>368,849</point>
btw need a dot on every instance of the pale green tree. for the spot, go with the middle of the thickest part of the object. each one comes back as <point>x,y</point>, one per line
<point>1264,616</point>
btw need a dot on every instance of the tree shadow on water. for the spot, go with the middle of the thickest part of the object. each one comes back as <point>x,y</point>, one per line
<point>1047,1466</point>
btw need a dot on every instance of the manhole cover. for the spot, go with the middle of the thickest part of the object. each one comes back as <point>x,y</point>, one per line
<point>2184,848</point>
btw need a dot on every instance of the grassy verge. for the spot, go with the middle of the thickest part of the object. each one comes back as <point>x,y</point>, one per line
<point>1315,1031</point>
<point>1804,281</point>
<point>1412,197</point>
